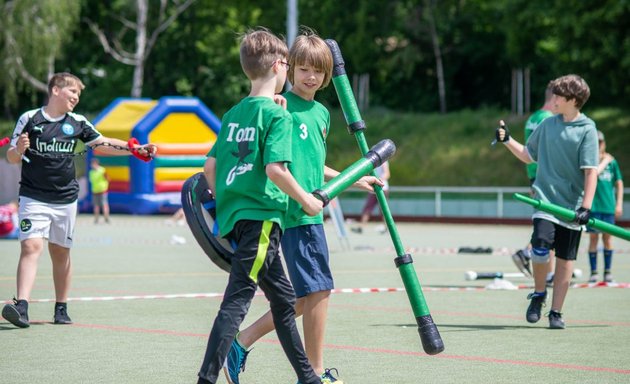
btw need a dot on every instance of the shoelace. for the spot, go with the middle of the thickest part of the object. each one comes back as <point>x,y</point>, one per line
<point>242,367</point>
<point>328,374</point>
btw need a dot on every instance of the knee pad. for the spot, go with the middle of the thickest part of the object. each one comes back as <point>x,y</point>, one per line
<point>540,255</point>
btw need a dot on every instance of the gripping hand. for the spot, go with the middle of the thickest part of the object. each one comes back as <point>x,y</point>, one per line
<point>502,133</point>
<point>582,215</point>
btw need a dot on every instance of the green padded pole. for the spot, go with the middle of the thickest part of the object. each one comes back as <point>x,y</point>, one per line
<point>569,215</point>
<point>429,335</point>
<point>375,157</point>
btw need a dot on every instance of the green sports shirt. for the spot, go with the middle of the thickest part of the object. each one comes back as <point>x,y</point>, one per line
<point>254,133</point>
<point>530,126</point>
<point>311,125</point>
<point>605,199</point>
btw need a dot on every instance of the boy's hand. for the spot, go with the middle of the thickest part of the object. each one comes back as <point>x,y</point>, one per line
<point>582,215</point>
<point>366,183</point>
<point>23,143</point>
<point>280,100</point>
<point>312,206</point>
<point>502,133</point>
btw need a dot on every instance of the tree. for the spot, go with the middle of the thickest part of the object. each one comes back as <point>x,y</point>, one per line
<point>34,33</point>
<point>143,41</point>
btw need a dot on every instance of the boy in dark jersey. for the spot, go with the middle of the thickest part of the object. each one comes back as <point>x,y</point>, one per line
<point>246,170</point>
<point>304,243</point>
<point>44,141</point>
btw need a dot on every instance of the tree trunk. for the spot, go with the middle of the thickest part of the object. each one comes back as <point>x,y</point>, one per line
<point>141,44</point>
<point>437,52</point>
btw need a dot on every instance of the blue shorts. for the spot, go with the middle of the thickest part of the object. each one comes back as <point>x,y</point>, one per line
<point>605,217</point>
<point>306,253</point>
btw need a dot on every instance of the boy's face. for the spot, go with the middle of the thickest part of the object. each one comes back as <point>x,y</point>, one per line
<point>307,80</point>
<point>561,105</point>
<point>68,96</point>
<point>281,68</point>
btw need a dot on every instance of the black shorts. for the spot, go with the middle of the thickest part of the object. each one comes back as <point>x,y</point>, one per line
<point>550,235</point>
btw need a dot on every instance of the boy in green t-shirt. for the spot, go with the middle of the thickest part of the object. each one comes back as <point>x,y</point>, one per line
<point>246,170</point>
<point>565,147</point>
<point>304,243</point>
<point>607,205</point>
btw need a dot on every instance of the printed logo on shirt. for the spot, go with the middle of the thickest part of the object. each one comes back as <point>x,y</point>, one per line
<point>38,128</point>
<point>67,129</point>
<point>25,225</point>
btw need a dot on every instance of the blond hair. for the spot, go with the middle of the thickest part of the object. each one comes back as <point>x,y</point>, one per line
<point>260,49</point>
<point>310,49</point>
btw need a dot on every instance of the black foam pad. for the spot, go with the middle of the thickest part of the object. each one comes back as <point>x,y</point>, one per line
<point>200,212</point>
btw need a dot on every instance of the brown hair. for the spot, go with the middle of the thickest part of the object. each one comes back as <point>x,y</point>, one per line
<point>310,49</point>
<point>63,79</point>
<point>260,49</point>
<point>572,87</point>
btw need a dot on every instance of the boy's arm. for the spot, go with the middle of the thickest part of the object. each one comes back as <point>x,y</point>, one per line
<point>282,177</point>
<point>364,183</point>
<point>590,184</point>
<point>518,149</point>
<point>619,205</point>
<point>209,170</point>
<point>604,163</point>
<point>144,150</point>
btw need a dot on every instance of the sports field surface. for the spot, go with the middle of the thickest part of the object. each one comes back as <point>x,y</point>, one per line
<point>144,297</point>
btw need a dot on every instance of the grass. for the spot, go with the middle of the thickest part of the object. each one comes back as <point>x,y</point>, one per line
<point>371,338</point>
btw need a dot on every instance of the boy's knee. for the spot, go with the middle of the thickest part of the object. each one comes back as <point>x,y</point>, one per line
<point>540,255</point>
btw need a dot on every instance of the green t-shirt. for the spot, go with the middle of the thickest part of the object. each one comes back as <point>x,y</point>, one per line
<point>530,125</point>
<point>605,199</point>
<point>98,180</point>
<point>563,150</point>
<point>311,124</point>
<point>254,133</point>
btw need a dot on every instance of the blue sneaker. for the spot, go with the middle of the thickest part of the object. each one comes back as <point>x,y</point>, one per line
<point>235,362</point>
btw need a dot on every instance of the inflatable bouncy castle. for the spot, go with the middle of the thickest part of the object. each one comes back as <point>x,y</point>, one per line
<point>184,130</point>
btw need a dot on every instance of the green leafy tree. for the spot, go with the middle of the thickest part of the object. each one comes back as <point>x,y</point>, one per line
<point>34,34</point>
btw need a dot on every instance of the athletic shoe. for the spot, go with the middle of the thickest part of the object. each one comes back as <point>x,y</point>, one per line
<point>555,320</point>
<point>328,378</point>
<point>357,229</point>
<point>521,260</point>
<point>61,315</point>
<point>593,278</point>
<point>537,302</point>
<point>235,362</point>
<point>608,277</point>
<point>17,313</point>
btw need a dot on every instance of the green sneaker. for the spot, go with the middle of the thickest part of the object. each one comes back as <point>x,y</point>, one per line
<point>328,378</point>
<point>235,362</point>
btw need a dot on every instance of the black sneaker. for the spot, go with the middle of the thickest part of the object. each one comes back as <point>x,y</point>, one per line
<point>61,314</point>
<point>549,281</point>
<point>537,302</point>
<point>555,320</point>
<point>521,260</point>
<point>17,313</point>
